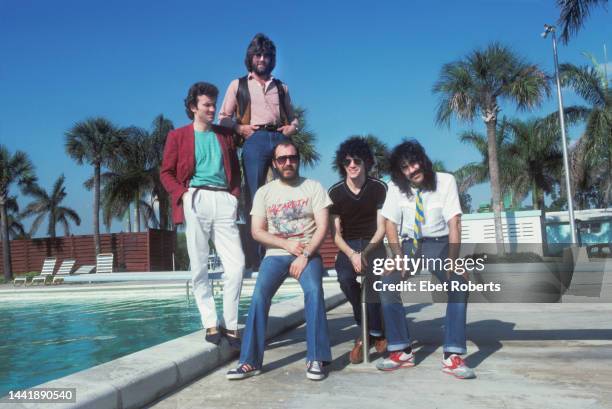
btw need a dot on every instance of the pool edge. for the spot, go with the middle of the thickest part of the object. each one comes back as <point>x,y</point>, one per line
<point>142,377</point>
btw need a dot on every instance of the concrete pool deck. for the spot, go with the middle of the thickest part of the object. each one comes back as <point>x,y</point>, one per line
<point>525,356</point>
<point>139,378</point>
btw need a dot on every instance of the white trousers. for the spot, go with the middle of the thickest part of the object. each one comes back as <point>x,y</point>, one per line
<point>212,215</point>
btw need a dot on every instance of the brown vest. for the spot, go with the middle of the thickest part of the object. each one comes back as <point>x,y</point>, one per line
<point>243,109</point>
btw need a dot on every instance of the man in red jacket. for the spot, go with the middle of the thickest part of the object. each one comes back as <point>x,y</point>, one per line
<point>200,171</point>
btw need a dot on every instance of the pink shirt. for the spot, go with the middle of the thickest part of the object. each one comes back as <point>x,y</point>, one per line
<point>264,103</point>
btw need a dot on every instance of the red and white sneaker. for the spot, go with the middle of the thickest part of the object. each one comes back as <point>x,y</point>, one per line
<point>396,360</point>
<point>455,365</point>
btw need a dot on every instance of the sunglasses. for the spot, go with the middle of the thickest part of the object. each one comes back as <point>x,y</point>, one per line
<point>281,160</point>
<point>347,162</point>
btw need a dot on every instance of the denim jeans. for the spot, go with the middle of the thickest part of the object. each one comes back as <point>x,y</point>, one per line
<point>347,277</point>
<point>272,273</point>
<point>256,158</point>
<point>396,327</point>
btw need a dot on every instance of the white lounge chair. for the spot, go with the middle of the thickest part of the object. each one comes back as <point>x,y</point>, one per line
<point>86,269</point>
<point>47,270</point>
<point>104,263</point>
<point>64,269</point>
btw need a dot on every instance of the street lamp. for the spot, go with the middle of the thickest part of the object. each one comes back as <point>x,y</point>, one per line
<point>570,203</point>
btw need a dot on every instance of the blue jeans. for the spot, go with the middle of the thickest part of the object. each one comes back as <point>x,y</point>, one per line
<point>256,158</point>
<point>272,273</point>
<point>396,327</point>
<point>347,277</point>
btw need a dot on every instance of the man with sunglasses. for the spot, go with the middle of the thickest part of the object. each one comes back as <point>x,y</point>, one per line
<point>358,229</point>
<point>258,108</point>
<point>290,219</point>
<point>424,206</point>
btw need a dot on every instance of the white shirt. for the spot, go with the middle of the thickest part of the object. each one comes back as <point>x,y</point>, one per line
<point>440,206</point>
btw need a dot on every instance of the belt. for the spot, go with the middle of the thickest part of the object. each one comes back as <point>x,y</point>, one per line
<point>268,127</point>
<point>205,187</point>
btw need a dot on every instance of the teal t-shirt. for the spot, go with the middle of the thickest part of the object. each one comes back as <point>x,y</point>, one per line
<point>209,169</point>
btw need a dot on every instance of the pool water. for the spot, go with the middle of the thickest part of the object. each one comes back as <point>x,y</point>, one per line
<point>43,339</point>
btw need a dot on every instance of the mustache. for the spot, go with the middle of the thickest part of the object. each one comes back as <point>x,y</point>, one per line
<point>416,172</point>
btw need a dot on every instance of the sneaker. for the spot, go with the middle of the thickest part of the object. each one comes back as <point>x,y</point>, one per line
<point>242,371</point>
<point>315,371</point>
<point>396,360</point>
<point>455,365</point>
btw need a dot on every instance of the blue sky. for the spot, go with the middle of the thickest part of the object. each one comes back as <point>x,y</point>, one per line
<point>357,67</point>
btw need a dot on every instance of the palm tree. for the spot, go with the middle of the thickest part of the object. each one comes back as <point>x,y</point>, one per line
<point>305,139</point>
<point>590,83</point>
<point>94,141</point>
<point>15,227</point>
<point>474,173</point>
<point>130,179</point>
<point>48,205</point>
<point>160,128</point>
<point>14,169</point>
<point>379,150</point>
<point>475,85</point>
<point>535,160</point>
<point>573,15</point>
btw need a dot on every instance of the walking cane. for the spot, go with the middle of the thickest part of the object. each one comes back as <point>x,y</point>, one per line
<point>364,321</point>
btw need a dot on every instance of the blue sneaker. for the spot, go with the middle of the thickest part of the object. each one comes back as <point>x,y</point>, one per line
<point>241,372</point>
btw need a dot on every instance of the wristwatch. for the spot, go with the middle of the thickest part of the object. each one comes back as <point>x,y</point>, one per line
<point>306,254</point>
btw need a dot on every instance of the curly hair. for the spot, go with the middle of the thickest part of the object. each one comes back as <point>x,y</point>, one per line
<point>260,44</point>
<point>196,90</point>
<point>410,151</point>
<point>355,147</point>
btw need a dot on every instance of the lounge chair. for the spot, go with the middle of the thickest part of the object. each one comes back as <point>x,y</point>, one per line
<point>86,269</point>
<point>47,270</point>
<point>64,269</point>
<point>104,263</point>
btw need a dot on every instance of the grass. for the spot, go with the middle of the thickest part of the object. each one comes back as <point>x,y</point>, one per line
<point>27,275</point>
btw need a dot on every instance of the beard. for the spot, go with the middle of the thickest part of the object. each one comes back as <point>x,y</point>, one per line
<point>263,71</point>
<point>291,178</point>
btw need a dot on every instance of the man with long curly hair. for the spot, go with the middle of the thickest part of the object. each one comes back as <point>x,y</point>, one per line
<point>423,219</point>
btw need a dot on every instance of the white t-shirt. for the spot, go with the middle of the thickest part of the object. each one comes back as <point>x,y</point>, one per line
<point>440,206</point>
<point>289,210</point>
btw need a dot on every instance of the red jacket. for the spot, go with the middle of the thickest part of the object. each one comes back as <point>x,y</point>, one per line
<point>178,164</point>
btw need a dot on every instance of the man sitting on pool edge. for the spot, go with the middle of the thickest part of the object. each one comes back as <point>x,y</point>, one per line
<point>290,218</point>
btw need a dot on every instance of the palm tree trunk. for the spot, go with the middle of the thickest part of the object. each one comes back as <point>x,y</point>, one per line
<point>137,211</point>
<point>129,219</point>
<point>52,224</point>
<point>495,185</point>
<point>6,244</point>
<point>96,209</point>
<point>535,196</point>
<point>163,211</point>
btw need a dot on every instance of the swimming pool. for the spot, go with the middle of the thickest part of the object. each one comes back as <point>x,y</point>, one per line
<point>48,337</point>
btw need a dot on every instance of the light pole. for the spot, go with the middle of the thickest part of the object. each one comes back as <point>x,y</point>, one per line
<point>570,203</point>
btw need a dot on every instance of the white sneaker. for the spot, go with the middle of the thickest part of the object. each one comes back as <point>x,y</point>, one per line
<point>455,365</point>
<point>315,371</point>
